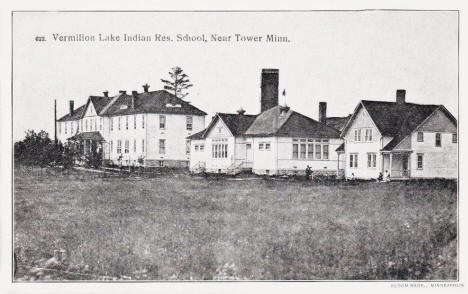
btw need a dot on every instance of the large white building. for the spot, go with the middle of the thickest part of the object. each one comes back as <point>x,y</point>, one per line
<point>148,128</point>
<point>406,140</point>
<point>276,141</point>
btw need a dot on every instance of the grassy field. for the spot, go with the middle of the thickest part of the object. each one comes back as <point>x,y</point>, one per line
<point>182,227</point>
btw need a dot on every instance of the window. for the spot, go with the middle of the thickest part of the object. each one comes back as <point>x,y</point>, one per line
<point>420,137</point>
<point>318,151</point>
<point>189,123</point>
<point>81,125</point>
<point>420,161</point>
<point>219,150</point>
<point>187,147</point>
<point>162,146</point>
<point>438,140</point>
<point>247,146</point>
<point>112,124</point>
<point>295,154</point>
<point>371,160</point>
<point>111,146</point>
<point>71,127</point>
<point>118,123</point>
<point>66,125</point>
<point>95,124</point>
<point>143,145</point>
<point>325,151</point>
<point>454,138</point>
<point>100,123</point>
<point>142,121</point>
<point>202,147</point>
<point>353,160</point>
<point>134,145</point>
<point>368,136</point>
<point>267,146</point>
<point>357,135</point>
<point>196,147</point>
<point>162,122</point>
<point>127,146</point>
<point>310,151</point>
<point>260,146</point>
<point>86,124</point>
<point>126,122</point>
<point>303,151</point>
<point>119,146</point>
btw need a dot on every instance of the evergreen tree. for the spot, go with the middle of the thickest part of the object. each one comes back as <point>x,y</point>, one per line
<point>178,82</point>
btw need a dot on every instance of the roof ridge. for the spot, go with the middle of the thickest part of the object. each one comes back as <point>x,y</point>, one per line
<point>105,108</point>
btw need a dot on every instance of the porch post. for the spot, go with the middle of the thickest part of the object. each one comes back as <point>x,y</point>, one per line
<point>409,165</point>
<point>390,167</point>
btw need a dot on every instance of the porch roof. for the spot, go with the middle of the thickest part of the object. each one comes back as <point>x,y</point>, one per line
<point>94,136</point>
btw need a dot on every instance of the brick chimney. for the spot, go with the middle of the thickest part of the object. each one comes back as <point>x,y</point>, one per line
<point>400,96</point>
<point>134,95</point>
<point>323,112</point>
<point>106,93</point>
<point>241,111</point>
<point>269,88</point>
<point>146,87</point>
<point>72,106</point>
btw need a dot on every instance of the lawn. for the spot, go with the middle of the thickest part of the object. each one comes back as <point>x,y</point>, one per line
<point>181,227</point>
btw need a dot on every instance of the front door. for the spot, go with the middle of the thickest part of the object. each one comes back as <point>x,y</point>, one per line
<point>404,163</point>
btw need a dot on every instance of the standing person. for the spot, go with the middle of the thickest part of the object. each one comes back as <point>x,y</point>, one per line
<point>308,172</point>
<point>387,176</point>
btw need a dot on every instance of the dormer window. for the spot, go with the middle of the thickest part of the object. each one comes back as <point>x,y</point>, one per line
<point>123,106</point>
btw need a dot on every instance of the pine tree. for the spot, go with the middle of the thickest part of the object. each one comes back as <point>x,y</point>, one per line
<point>178,83</point>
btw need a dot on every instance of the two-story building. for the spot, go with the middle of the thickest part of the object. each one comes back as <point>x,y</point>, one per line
<point>405,140</point>
<point>148,128</point>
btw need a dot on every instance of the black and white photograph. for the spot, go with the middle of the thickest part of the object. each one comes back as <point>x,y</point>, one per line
<point>197,146</point>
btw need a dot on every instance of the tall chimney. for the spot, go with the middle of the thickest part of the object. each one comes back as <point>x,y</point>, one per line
<point>134,95</point>
<point>72,106</point>
<point>269,88</point>
<point>323,112</point>
<point>146,87</point>
<point>400,96</point>
<point>106,93</point>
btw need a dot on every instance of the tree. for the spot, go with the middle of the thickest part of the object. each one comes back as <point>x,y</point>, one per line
<point>178,83</point>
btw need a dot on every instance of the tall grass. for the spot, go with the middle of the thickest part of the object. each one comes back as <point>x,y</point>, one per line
<point>182,227</point>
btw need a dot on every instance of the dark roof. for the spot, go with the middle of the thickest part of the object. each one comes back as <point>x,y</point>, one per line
<point>151,102</point>
<point>340,148</point>
<point>393,118</point>
<point>290,123</point>
<point>236,123</point>
<point>197,136</point>
<point>96,136</point>
<point>77,114</point>
<point>398,120</point>
<point>337,122</point>
<point>99,102</point>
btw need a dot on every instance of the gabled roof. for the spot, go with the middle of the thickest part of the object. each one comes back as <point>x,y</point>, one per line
<point>397,120</point>
<point>337,122</point>
<point>151,102</point>
<point>275,122</point>
<point>99,102</point>
<point>236,123</point>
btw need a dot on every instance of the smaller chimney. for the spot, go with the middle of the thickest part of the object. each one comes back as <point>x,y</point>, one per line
<point>72,106</point>
<point>323,112</point>
<point>283,109</point>
<point>134,95</point>
<point>241,111</point>
<point>146,87</point>
<point>106,93</point>
<point>400,96</point>
<point>123,92</point>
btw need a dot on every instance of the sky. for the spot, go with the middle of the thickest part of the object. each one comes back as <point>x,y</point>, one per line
<point>336,57</point>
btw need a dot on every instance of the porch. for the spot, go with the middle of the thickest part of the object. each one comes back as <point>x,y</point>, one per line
<point>397,163</point>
